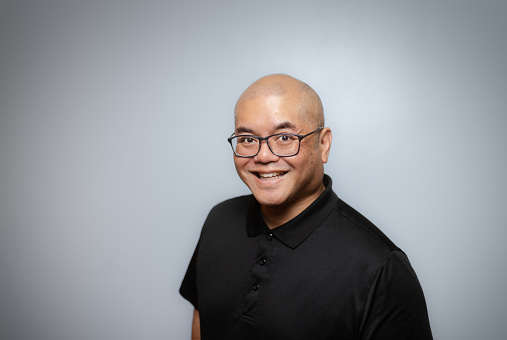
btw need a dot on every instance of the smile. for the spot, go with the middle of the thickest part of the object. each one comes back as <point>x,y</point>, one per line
<point>270,175</point>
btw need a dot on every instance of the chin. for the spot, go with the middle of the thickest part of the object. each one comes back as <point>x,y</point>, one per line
<point>266,196</point>
<point>268,201</point>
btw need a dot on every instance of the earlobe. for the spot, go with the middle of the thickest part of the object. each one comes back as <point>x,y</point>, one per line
<point>326,137</point>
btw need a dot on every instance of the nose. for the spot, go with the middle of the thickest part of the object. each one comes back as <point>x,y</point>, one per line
<point>265,155</point>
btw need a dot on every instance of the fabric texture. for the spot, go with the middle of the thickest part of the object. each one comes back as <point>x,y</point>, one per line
<point>329,273</point>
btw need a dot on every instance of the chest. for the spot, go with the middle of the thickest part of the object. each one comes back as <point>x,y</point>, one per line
<point>262,285</point>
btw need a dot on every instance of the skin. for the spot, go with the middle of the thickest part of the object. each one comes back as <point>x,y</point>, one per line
<point>276,104</point>
<point>196,326</point>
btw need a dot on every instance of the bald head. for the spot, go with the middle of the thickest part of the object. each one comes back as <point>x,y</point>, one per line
<point>310,106</point>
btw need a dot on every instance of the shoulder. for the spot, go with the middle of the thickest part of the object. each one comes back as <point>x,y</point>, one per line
<point>229,212</point>
<point>360,230</point>
<point>231,205</point>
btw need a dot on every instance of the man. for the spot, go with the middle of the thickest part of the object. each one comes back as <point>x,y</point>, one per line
<point>293,261</point>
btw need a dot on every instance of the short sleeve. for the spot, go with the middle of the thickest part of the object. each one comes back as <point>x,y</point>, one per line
<point>188,287</point>
<point>396,308</point>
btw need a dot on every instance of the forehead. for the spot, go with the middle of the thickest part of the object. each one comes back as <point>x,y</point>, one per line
<point>269,112</point>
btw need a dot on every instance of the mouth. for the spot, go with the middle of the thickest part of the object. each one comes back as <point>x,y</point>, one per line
<point>269,175</point>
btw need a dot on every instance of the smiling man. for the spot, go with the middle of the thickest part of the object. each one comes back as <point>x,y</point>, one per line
<point>293,261</point>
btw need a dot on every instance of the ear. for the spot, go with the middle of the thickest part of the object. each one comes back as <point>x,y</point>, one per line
<point>326,137</point>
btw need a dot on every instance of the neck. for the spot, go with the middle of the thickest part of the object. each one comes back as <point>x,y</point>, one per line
<point>275,216</point>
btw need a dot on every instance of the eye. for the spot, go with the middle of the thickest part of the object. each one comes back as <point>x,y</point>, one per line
<point>247,140</point>
<point>285,139</point>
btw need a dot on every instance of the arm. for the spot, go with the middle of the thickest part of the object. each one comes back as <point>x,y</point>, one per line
<point>396,308</point>
<point>196,326</point>
<point>188,290</point>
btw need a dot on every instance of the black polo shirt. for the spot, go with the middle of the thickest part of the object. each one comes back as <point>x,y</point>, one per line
<point>328,273</point>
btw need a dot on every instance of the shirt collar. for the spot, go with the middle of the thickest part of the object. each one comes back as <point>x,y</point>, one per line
<point>295,231</point>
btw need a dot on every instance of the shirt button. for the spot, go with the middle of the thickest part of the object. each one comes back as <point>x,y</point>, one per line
<point>262,262</point>
<point>256,286</point>
<point>269,237</point>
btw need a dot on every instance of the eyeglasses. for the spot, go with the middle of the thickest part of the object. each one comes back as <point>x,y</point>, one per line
<point>280,144</point>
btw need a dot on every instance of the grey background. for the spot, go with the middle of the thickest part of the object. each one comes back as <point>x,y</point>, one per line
<point>113,126</point>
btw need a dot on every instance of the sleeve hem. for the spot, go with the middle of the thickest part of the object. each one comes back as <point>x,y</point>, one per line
<point>189,295</point>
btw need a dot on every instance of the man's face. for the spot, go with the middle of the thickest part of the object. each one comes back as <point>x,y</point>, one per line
<point>279,181</point>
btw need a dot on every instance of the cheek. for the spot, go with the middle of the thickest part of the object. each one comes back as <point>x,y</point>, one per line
<point>307,160</point>
<point>240,163</point>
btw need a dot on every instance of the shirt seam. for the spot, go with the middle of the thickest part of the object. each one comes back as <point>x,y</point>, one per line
<point>365,229</point>
<point>382,265</point>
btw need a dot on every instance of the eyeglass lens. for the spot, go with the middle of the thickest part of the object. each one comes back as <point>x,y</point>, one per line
<point>282,145</point>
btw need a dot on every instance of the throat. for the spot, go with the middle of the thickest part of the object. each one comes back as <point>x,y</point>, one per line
<point>276,216</point>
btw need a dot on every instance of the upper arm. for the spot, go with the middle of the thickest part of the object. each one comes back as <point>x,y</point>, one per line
<point>396,308</point>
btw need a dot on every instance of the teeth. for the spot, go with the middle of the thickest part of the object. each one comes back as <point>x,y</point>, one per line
<point>270,175</point>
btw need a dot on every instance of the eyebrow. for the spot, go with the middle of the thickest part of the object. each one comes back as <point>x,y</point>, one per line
<point>242,129</point>
<point>283,125</point>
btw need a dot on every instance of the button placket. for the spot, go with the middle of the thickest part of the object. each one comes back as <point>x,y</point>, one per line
<point>259,273</point>
<point>259,270</point>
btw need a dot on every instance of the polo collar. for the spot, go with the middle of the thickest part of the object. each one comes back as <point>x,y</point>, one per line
<point>295,231</point>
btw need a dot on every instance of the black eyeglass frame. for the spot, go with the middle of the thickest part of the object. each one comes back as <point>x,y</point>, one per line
<point>300,137</point>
